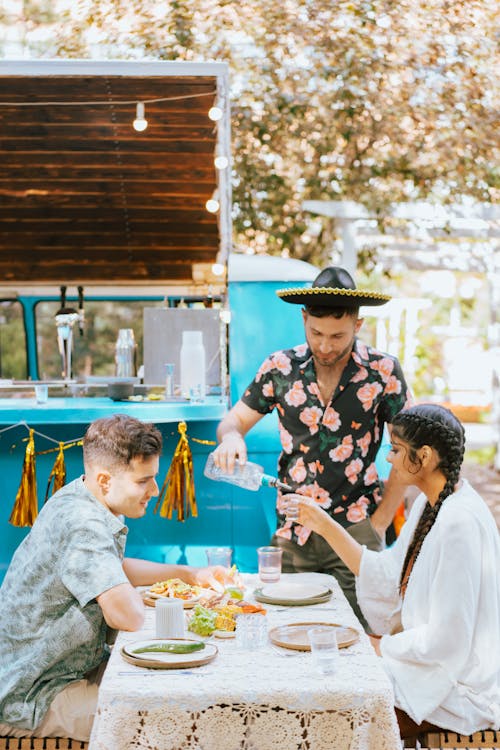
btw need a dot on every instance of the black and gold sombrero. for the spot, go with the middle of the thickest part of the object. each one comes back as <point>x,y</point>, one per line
<point>333,287</point>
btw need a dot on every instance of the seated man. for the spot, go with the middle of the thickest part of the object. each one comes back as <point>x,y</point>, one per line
<point>68,582</point>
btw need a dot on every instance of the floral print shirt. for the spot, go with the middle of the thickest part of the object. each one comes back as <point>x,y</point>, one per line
<point>329,450</point>
<point>52,630</point>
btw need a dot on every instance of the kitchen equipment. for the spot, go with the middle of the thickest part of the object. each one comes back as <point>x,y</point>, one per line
<point>193,366</point>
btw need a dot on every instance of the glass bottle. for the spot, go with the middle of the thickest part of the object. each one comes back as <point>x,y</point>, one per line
<point>125,353</point>
<point>250,476</point>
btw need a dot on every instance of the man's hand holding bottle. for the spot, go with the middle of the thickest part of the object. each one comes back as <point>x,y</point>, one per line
<point>232,448</point>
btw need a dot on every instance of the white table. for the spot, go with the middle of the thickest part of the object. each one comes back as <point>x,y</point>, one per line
<point>269,699</point>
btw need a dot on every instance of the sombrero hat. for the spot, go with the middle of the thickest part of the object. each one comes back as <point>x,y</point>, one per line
<point>333,287</point>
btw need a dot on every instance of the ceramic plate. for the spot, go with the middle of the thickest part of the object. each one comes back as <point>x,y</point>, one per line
<point>294,602</point>
<point>295,636</point>
<point>286,590</point>
<point>158,660</point>
<point>224,633</point>
<point>150,598</point>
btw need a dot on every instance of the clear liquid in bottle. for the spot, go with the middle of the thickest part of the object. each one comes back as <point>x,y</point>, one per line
<point>249,476</point>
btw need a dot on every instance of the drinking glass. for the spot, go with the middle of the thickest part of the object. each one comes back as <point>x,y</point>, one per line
<point>324,649</point>
<point>251,631</point>
<point>169,379</point>
<point>219,556</point>
<point>41,393</point>
<point>269,564</point>
<point>169,618</point>
<point>291,508</point>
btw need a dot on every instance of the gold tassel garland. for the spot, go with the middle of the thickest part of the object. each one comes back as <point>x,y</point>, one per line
<point>178,492</point>
<point>25,508</point>
<point>58,474</point>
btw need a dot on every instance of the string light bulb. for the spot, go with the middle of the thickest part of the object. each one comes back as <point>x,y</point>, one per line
<point>215,113</point>
<point>140,123</point>
<point>218,269</point>
<point>225,315</point>
<point>221,161</point>
<point>212,205</point>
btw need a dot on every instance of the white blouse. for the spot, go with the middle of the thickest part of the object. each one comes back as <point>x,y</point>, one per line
<point>445,663</point>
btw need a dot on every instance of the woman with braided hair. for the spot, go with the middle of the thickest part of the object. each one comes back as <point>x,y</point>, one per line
<point>434,596</point>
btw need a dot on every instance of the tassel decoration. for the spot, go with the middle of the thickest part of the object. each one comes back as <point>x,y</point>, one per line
<point>178,492</point>
<point>25,508</point>
<point>58,474</point>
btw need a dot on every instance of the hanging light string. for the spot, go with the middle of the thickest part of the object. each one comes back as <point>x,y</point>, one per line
<point>107,102</point>
<point>140,123</point>
<point>67,444</point>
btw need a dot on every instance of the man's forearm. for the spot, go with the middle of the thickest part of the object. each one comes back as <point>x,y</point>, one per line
<point>145,572</point>
<point>229,426</point>
<point>392,497</point>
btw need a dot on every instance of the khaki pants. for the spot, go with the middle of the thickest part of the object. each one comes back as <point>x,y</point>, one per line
<point>317,556</point>
<point>71,713</point>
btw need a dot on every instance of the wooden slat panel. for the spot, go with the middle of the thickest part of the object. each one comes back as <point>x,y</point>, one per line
<point>134,186</point>
<point>161,217</point>
<point>106,226</point>
<point>50,241</point>
<point>187,171</point>
<point>99,88</point>
<point>84,195</point>
<point>93,271</point>
<point>201,129</point>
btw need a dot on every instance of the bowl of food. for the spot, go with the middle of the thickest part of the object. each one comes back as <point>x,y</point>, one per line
<point>120,390</point>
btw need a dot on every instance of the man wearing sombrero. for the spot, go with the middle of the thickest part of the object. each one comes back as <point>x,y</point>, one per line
<point>333,395</point>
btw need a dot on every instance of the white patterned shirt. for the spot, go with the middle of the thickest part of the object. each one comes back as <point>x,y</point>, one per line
<point>52,630</point>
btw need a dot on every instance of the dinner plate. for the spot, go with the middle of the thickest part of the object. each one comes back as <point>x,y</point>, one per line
<point>291,590</point>
<point>224,633</point>
<point>150,598</point>
<point>167,660</point>
<point>294,635</point>
<point>293,602</point>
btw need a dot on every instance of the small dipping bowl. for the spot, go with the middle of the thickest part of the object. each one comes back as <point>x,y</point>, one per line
<point>120,390</point>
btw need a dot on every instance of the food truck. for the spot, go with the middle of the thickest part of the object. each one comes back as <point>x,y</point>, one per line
<point>110,225</point>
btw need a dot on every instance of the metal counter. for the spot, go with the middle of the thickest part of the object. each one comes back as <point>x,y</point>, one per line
<point>85,410</point>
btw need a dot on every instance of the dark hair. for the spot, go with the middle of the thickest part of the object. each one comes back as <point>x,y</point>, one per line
<point>116,440</point>
<point>437,427</point>
<point>332,312</point>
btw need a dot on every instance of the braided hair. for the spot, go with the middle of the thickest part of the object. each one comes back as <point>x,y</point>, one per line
<point>437,427</point>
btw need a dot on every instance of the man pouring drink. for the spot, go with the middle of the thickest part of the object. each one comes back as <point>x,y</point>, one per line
<point>333,395</point>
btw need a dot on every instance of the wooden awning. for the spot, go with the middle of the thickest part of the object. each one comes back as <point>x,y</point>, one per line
<point>86,198</point>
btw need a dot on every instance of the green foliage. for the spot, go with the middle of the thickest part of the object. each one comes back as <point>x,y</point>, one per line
<point>13,362</point>
<point>482,456</point>
<point>375,101</point>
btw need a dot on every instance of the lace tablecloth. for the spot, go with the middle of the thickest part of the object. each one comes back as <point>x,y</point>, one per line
<point>265,699</point>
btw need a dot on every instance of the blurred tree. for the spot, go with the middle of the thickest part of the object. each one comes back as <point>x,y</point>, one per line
<point>365,100</point>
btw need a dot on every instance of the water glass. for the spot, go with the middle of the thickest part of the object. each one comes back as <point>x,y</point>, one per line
<point>324,649</point>
<point>291,508</point>
<point>269,564</point>
<point>196,394</point>
<point>41,393</point>
<point>169,379</point>
<point>251,632</point>
<point>169,618</point>
<point>219,556</point>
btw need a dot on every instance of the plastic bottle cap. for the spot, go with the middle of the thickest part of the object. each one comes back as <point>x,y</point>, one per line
<point>192,338</point>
